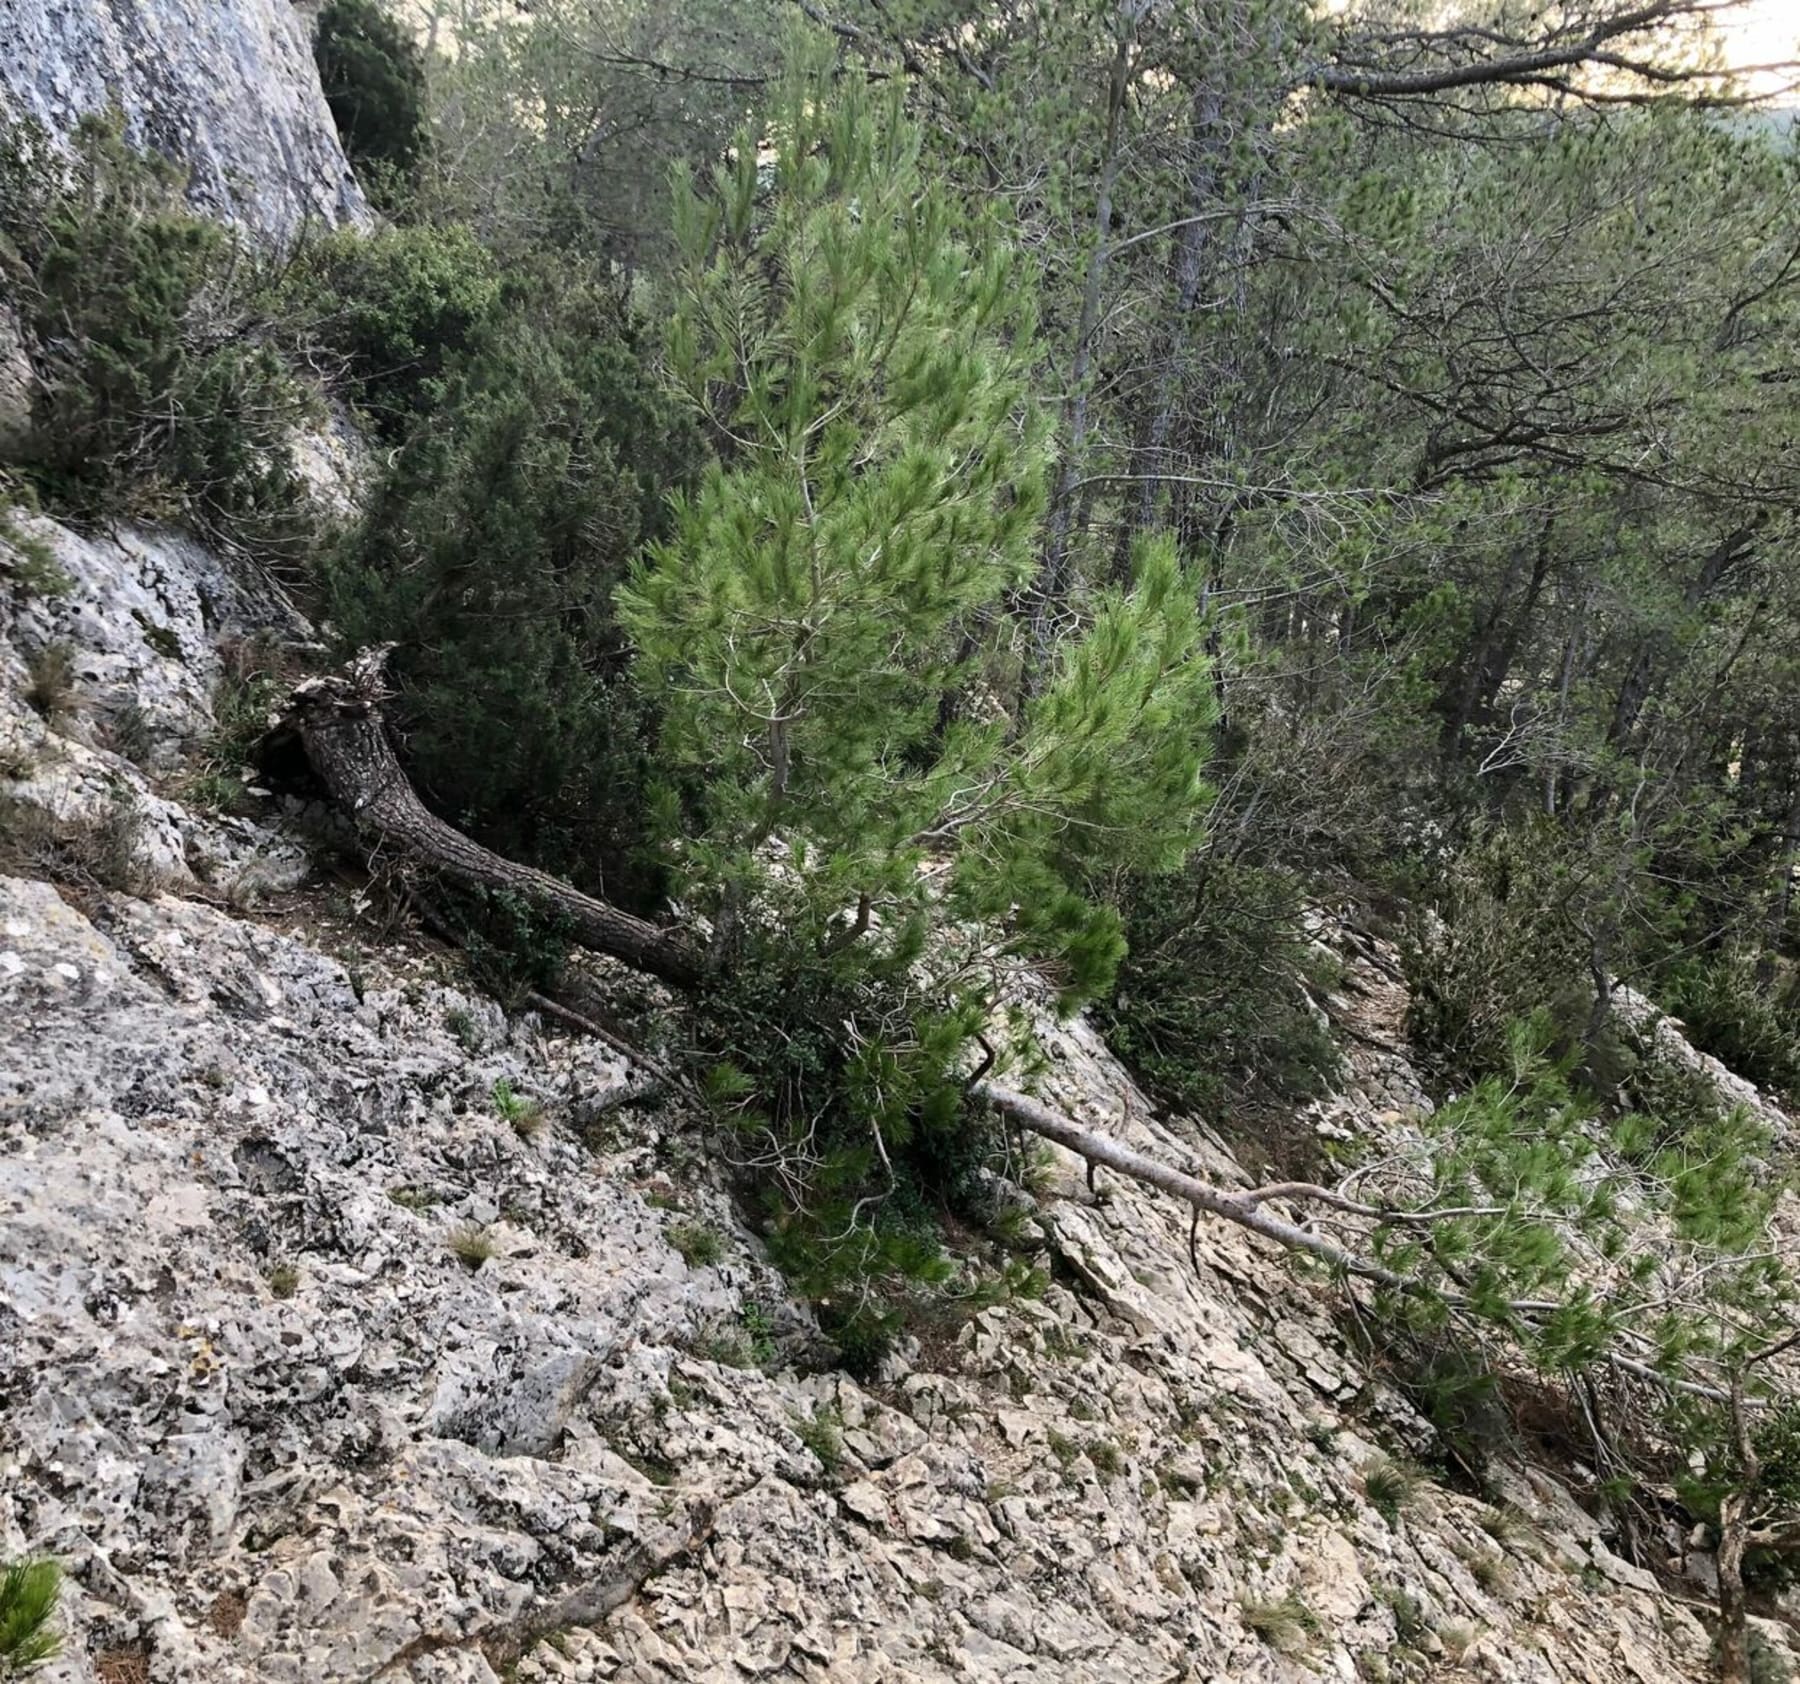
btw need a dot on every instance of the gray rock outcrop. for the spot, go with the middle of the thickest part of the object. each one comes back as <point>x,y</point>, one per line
<point>280,1430</point>
<point>227,88</point>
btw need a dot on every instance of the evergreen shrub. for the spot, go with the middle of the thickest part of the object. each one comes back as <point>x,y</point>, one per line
<point>373,76</point>
<point>489,552</point>
<point>160,389</point>
<point>1211,1004</point>
<point>401,307</point>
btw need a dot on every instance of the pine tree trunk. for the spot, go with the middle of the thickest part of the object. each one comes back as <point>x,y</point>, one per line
<point>1734,1635</point>
<point>1635,691</point>
<point>1053,570</point>
<point>338,720</point>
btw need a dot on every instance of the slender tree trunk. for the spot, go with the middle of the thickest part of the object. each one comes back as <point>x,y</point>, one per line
<point>1789,868</point>
<point>1734,1627</point>
<point>1497,666</point>
<point>1053,570</point>
<point>1468,689</point>
<point>1188,267</point>
<point>1635,691</point>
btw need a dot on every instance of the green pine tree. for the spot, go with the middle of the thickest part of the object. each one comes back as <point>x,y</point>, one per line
<point>828,632</point>
<point>860,349</point>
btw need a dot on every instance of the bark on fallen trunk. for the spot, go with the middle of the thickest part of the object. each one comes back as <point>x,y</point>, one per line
<point>338,720</point>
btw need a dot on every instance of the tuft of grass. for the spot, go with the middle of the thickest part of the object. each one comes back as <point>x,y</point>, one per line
<point>133,734</point>
<point>720,1342</point>
<point>1286,1624</point>
<point>217,789</point>
<point>699,1245</point>
<point>1323,1437</point>
<point>28,1595</point>
<point>470,1244</point>
<point>1108,1459</point>
<point>749,1342</point>
<point>103,854</point>
<point>1408,1611</point>
<point>1039,1174</point>
<point>759,1330</point>
<point>1458,1638</point>
<point>1176,1480</point>
<point>653,1468</point>
<point>50,680</point>
<point>461,1024</point>
<point>823,1434</point>
<point>523,1112</point>
<point>161,639</point>
<point>1488,1569</point>
<point>27,562</point>
<point>1390,1486</point>
<point>284,1280</point>
<point>1508,1528</point>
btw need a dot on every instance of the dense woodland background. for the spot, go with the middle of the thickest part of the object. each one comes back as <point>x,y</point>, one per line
<point>894,487</point>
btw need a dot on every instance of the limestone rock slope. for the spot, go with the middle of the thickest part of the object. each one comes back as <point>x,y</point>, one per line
<point>226,87</point>
<point>281,1431</point>
<point>114,677</point>
<point>322,1363</point>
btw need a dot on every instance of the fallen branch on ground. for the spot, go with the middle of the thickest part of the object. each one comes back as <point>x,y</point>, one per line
<point>1246,1210</point>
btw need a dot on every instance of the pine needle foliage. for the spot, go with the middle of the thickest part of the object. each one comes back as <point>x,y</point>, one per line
<point>859,348</point>
<point>1575,1240</point>
<point>28,1595</point>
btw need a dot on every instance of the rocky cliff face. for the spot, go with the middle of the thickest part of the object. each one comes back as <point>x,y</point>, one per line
<point>284,1420</point>
<point>226,87</point>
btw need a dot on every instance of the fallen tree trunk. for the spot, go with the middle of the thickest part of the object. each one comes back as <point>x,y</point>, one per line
<point>1246,1210</point>
<point>338,720</point>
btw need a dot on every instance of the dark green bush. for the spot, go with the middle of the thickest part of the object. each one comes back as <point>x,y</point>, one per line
<point>512,947</point>
<point>1748,1022</point>
<point>160,388</point>
<point>489,553</point>
<point>832,1069</point>
<point>1209,1004</point>
<point>400,306</point>
<point>1502,941</point>
<point>374,80</point>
